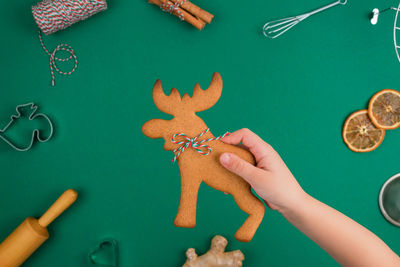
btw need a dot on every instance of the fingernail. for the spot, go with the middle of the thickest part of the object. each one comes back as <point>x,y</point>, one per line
<point>225,158</point>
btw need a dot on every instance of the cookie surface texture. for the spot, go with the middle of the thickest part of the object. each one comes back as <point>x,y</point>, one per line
<point>196,168</point>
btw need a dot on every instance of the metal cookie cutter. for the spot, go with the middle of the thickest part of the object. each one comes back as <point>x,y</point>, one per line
<point>35,133</point>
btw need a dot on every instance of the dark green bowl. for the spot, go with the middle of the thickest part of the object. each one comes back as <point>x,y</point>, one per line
<point>389,200</point>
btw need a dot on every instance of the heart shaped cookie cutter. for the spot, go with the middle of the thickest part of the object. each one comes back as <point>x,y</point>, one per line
<point>105,253</point>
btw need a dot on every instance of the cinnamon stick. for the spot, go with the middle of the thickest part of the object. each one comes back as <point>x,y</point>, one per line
<point>196,11</point>
<point>198,23</point>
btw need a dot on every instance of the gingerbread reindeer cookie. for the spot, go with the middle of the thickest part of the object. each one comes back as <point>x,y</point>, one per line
<point>197,152</point>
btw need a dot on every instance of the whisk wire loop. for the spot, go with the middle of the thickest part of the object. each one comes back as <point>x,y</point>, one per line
<point>273,29</point>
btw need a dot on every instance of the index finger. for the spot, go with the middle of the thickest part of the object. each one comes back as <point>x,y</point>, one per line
<point>253,142</point>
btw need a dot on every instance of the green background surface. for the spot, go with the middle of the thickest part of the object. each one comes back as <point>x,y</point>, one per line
<point>294,91</point>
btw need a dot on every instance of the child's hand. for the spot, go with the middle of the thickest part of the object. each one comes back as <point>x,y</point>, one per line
<point>344,239</point>
<point>270,178</point>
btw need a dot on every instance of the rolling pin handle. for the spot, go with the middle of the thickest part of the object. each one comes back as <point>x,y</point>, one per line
<point>58,207</point>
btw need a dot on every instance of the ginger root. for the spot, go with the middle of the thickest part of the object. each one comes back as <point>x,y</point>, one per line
<point>216,256</point>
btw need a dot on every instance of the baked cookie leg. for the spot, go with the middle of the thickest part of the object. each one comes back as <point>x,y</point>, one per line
<point>186,216</point>
<point>252,206</point>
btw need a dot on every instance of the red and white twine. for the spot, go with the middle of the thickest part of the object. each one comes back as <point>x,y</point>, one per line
<point>199,146</point>
<point>54,15</point>
<point>170,8</point>
<point>53,58</point>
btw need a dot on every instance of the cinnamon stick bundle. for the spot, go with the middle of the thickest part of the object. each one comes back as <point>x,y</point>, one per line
<point>188,11</point>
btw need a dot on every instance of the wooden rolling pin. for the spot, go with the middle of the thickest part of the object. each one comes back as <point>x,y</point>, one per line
<point>32,233</point>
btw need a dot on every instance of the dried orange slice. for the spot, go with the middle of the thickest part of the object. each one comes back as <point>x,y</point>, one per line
<point>360,134</point>
<point>384,109</point>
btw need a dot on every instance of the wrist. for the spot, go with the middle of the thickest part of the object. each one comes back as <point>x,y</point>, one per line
<point>296,203</point>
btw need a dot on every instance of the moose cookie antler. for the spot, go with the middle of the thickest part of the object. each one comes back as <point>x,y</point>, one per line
<point>196,167</point>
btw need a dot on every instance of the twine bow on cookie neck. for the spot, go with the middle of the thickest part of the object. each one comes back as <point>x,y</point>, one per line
<point>199,146</point>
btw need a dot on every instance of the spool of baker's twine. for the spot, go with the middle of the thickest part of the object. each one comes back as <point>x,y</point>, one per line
<point>55,15</point>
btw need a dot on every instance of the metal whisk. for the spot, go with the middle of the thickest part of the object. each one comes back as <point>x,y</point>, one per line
<point>278,27</point>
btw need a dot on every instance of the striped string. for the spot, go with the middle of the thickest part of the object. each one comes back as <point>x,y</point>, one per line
<point>170,8</point>
<point>199,146</point>
<point>54,15</point>
<point>53,66</point>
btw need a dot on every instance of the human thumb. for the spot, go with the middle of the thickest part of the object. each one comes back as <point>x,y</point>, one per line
<point>238,166</point>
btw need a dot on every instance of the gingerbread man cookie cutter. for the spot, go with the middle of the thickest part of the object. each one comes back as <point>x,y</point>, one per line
<point>35,133</point>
